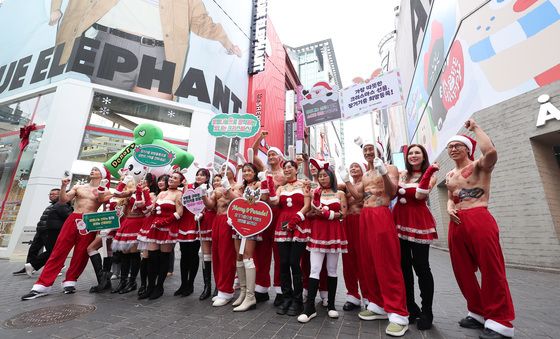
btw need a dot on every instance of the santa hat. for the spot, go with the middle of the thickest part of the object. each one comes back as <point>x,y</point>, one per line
<point>276,150</point>
<point>467,141</point>
<point>378,146</point>
<point>319,164</point>
<point>361,164</point>
<point>230,166</point>
<point>104,174</point>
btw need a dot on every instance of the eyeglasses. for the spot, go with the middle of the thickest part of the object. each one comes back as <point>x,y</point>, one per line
<point>455,146</point>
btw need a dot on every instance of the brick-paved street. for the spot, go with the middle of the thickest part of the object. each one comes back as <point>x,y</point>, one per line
<point>536,296</point>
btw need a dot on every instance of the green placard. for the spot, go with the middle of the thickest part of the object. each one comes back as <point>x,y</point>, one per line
<point>234,125</point>
<point>153,155</point>
<point>101,221</point>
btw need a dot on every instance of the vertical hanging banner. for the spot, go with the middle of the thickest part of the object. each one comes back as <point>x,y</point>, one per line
<point>381,92</point>
<point>321,104</point>
<point>258,37</point>
<point>300,125</point>
<point>260,103</point>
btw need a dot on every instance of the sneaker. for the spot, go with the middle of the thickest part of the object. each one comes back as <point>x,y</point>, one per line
<point>33,295</point>
<point>333,314</point>
<point>370,315</point>
<point>470,322</point>
<point>396,330</point>
<point>304,318</point>
<point>69,290</point>
<point>348,306</point>
<point>20,272</point>
<point>29,269</point>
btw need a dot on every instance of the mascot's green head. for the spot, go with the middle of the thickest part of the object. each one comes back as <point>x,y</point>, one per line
<point>146,134</point>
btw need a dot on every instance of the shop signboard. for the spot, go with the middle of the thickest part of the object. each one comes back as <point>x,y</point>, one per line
<point>101,221</point>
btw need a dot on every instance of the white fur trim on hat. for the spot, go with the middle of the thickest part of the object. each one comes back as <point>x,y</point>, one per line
<point>275,149</point>
<point>361,164</point>
<point>101,169</point>
<point>230,166</point>
<point>462,139</point>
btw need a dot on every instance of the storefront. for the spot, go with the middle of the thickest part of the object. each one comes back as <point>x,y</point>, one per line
<point>77,124</point>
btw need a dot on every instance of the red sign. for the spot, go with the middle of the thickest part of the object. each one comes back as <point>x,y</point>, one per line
<point>249,219</point>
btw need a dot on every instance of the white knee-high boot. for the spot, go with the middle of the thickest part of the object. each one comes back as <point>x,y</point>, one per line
<point>250,302</point>
<point>242,283</point>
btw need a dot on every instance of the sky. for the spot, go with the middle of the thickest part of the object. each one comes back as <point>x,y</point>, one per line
<point>355,27</point>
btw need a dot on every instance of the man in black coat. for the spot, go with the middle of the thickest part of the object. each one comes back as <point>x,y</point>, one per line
<point>48,228</point>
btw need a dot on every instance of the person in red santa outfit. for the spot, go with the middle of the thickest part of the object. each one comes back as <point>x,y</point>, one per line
<point>291,234</point>
<point>379,244</point>
<point>223,250</point>
<point>268,247</point>
<point>350,261</point>
<point>161,235</point>
<point>326,241</point>
<point>73,234</point>
<point>474,237</point>
<point>416,229</point>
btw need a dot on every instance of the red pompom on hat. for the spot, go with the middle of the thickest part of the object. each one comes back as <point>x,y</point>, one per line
<point>467,141</point>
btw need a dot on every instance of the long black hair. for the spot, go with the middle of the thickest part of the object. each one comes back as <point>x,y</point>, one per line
<point>425,162</point>
<point>332,178</point>
<point>151,182</point>
<point>254,169</point>
<point>206,173</point>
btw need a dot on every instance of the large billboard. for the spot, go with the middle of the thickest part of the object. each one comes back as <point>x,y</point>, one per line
<point>476,54</point>
<point>192,51</point>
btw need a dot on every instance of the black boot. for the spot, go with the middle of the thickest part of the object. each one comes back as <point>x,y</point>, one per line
<point>134,267</point>
<point>194,263</point>
<point>296,306</point>
<point>125,270</point>
<point>102,280</point>
<point>310,312</point>
<point>425,320</point>
<point>184,268</point>
<point>143,275</point>
<point>162,274</point>
<point>331,283</point>
<point>286,285</point>
<point>152,270</point>
<point>207,277</point>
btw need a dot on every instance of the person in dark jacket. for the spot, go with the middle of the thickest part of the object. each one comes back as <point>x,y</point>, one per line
<point>48,228</point>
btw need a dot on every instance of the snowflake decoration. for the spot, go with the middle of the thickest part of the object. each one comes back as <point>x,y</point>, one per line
<point>104,110</point>
<point>171,113</point>
<point>106,100</point>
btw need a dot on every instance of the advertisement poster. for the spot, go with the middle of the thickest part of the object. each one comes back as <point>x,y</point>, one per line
<point>321,104</point>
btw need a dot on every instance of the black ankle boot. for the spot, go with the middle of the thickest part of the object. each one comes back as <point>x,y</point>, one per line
<point>207,277</point>
<point>102,280</point>
<point>130,286</point>
<point>125,270</point>
<point>413,312</point>
<point>285,305</point>
<point>425,320</point>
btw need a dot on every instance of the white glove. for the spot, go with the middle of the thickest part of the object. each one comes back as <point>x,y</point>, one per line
<point>225,183</point>
<point>127,178</point>
<point>103,182</point>
<point>203,190</point>
<point>209,189</point>
<point>197,217</point>
<point>343,174</point>
<point>379,165</point>
<point>262,176</point>
<point>230,222</point>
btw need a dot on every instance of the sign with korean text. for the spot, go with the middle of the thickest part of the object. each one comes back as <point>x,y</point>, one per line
<point>321,104</point>
<point>192,200</point>
<point>101,221</point>
<point>378,93</point>
<point>234,125</point>
<point>153,156</point>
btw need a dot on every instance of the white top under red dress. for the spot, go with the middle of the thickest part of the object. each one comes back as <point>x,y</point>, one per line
<point>412,217</point>
<point>164,233</point>
<point>328,236</point>
<point>290,203</point>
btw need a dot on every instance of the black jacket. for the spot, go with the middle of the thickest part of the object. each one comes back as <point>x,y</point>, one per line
<point>54,216</point>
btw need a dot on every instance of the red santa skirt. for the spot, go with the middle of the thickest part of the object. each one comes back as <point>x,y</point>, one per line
<point>412,218</point>
<point>127,235</point>
<point>188,229</point>
<point>206,225</point>
<point>167,233</point>
<point>328,236</point>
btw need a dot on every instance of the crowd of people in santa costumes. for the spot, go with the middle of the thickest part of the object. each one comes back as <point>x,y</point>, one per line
<point>313,222</point>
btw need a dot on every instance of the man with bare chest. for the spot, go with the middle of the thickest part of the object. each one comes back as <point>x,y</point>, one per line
<point>267,247</point>
<point>350,261</point>
<point>88,198</point>
<point>379,244</point>
<point>473,238</point>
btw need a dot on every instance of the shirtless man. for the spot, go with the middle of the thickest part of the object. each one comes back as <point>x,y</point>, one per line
<point>223,250</point>
<point>474,236</point>
<point>266,247</point>
<point>379,244</point>
<point>88,199</point>
<point>350,261</point>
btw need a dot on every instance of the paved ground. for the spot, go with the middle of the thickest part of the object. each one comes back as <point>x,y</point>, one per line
<point>536,296</point>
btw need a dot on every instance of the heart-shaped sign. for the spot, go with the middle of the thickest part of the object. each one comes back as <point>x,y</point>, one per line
<point>192,200</point>
<point>249,219</point>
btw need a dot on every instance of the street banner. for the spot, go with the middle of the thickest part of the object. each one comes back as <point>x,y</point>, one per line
<point>101,221</point>
<point>192,200</point>
<point>234,125</point>
<point>377,93</point>
<point>153,155</point>
<point>247,218</point>
<point>321,104</point>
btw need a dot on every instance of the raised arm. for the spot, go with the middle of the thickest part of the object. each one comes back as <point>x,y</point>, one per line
<point>66,196</point>
<point>489,155</point>
<point>427,182</point>
<point>202,25</point>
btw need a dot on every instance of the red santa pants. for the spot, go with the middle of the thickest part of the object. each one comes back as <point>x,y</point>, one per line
<point>264,251</point>
<point>69,237</point>
<point>223,256</point>
<point>381,264</point>
<point>475,244</point>
<point>350,260</point>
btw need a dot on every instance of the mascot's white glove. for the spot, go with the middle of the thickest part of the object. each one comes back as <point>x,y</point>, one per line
<point>343,174</point>
<point>127,178</point>
<point>379,165</point>
<point>225,183</point>
<point>262,176</point>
